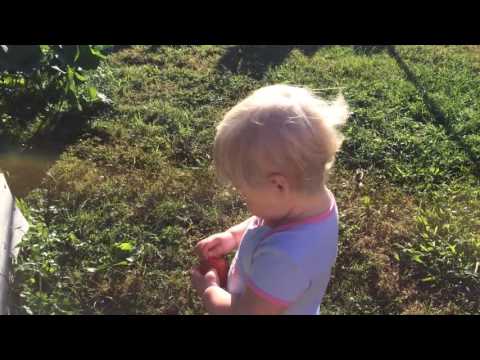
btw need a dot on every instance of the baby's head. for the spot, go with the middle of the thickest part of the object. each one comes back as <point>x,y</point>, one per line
<point>279,143</point>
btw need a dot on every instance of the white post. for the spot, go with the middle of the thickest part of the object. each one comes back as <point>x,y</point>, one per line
<point>12,227</point>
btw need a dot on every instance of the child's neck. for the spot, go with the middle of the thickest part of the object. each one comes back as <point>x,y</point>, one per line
<point>305,207</point>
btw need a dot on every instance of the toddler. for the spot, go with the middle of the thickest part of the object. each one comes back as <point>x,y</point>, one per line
<point>276,147</point>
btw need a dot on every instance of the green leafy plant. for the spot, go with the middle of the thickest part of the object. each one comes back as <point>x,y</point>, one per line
<point>38,75</point>
<point>442,253</point>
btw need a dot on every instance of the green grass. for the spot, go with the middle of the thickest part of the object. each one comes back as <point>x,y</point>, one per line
<point>116,218</point>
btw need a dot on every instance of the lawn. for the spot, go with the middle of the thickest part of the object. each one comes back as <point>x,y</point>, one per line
<point>130,188</point>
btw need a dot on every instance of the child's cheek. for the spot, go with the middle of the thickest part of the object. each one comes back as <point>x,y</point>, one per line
<point>252,209</point>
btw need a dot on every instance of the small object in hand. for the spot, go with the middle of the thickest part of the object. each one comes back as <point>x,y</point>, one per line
<point>220,265</point>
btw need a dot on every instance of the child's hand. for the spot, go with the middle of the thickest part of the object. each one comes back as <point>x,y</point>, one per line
<point>201,282</point>
<point>216,245</point>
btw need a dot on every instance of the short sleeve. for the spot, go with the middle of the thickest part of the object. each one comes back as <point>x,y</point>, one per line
<point>275,277</point>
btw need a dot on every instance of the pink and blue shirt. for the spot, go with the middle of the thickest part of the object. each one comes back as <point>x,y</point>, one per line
<point>288,265</point>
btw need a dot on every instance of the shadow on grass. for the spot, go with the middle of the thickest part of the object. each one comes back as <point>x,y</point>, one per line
<point>114,48</point>
<point>25,165</point>
<point>436,111</point>
<point>255,60</point>
<point>368,49</point>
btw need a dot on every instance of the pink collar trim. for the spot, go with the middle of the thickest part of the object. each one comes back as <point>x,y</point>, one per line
<point>308,220</point>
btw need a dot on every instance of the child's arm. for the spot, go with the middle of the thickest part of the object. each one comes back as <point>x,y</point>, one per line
<point>238,230</point>
<point>220,302</point>
<point>274,282</point>
<point>222,243</point>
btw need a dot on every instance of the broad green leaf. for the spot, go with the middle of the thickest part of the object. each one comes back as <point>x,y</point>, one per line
<point>417,259</point>
<point>80,76</point>
<point>125,246</point>
<point>92,92</point>
<point>45,48</point>
<point>97,52</point>
<point>77,54</point>
<point>365,200</point>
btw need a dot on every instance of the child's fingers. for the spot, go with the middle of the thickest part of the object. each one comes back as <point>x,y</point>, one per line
<point>196,278</point>
<point>200,249</point>
<point>212,276</point>
<point>200,244</point>
<point>215,251</point>
<point>209,247</point>
<point>195,272</point>
<point>212,273</point>
<point>203,252</point>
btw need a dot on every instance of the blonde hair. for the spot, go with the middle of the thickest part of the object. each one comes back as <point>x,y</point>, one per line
<point>280,129</point>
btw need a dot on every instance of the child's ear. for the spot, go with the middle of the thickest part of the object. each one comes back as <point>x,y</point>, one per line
<point>279,182</point>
